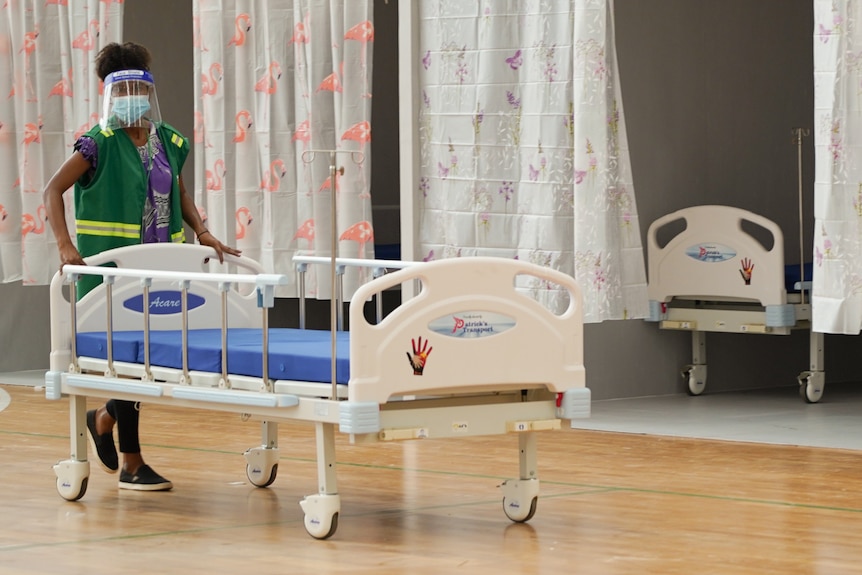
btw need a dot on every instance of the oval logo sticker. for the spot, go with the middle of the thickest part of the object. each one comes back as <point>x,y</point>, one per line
<point>710,253</point>
<point>163,302</point>
<point>472,324</point>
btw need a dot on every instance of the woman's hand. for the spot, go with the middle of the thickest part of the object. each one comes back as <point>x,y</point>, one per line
<point>69,255</point>
<point>206,238</point>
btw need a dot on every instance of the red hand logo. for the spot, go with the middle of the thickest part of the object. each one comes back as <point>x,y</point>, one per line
<point>746,271</point>
<point>421,351</point>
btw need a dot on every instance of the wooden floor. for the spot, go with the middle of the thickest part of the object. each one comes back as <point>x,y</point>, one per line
<point>611,503</point>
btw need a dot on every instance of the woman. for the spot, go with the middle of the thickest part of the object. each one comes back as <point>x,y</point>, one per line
<point>128,190</point>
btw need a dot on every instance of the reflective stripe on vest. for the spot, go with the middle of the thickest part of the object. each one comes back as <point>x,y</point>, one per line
<point>175,139</point>
<point>179,237</point>
<point>111,229</point>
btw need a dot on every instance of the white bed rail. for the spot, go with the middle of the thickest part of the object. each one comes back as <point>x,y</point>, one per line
<point>259,280</point>
<point>165,272</point>
<point>377,267</point>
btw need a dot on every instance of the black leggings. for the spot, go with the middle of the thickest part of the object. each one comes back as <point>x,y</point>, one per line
<point>127,414</point>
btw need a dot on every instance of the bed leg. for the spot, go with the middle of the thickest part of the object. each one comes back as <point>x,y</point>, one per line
<point>696,372</point>
<point>321,510</point>
<point>527,456</point>
<point>73,473</point>
<point>811,382</point>
<point>521,496</point>
<point>262,462</point>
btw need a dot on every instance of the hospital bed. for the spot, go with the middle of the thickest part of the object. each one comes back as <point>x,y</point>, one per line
<point>472,354</point>
<point>725,272</point>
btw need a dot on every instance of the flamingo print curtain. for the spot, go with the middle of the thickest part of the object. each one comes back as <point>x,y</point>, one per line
<point>283,83</point>
<point>837,289</point>
<point>523,145</point>
<point>49,95</point>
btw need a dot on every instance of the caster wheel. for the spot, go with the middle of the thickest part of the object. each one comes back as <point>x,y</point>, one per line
<point>520,497</point>
<point>517,513</point>
<point>696,376</point>
<point>810,386</point>
<point>695,387</point>
<point>809,393</point>
<point>321,514</point>
<point>72,478</point>
<point>71,492</point>
<point>260,477</point>
<point>262,466</point>
<point>321,528</point>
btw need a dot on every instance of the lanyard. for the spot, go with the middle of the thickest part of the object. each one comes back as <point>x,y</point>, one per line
<point>147,151</point>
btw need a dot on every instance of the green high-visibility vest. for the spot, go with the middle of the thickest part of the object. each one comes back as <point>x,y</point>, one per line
<point>109,206</point>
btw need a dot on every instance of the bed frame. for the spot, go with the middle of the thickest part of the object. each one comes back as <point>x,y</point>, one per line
<point>725,272</point>
<point>520,372</point>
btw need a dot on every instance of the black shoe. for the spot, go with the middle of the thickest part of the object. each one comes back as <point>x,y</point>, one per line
<point>144,479</point>
<point>103,445</point>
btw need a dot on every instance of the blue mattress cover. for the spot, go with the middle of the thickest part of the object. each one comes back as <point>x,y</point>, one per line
<point>791,276</point>
<point>387,251</point>
<point>294,354</point>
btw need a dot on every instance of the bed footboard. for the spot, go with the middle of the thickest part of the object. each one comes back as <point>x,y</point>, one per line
<point>471,328</point>
<point>715,257</point>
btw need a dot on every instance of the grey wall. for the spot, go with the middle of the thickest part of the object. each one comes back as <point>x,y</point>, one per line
<point>164,27</point>
<point>711,91</point>
<point>24,327</point>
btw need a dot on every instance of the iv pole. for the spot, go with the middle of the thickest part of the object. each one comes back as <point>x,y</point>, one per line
<point>798,134</point>
<point>357,157</point>
<point>812,380</point>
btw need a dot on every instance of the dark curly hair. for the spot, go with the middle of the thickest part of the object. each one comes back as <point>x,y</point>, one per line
<point>126,56</point>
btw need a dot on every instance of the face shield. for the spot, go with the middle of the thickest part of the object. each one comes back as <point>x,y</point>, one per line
<point>129,101</point>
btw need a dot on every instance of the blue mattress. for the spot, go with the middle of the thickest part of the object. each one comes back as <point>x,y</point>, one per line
<point>791,276</point>
<point>294,354</point>
<point>387,251</point>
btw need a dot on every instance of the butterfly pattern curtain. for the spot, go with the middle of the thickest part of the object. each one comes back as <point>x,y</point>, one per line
<point>49,95</point>
<point>523,145</point>
<point>837,289</point>
<point>282,84</point>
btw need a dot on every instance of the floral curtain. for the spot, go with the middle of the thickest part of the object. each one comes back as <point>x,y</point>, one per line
<point>837,290</point>
<point>523,145</point>
<point>49,95</point>
<point>280,79</point>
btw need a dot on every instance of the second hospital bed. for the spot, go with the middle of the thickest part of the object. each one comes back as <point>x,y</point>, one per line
<point>471,354</point>
<point>725,272</point>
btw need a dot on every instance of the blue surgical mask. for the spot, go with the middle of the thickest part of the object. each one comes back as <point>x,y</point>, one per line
<point>130,109</point>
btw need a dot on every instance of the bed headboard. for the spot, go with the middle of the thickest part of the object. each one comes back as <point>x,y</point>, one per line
<point>473,317</point>
<point>716,257</point>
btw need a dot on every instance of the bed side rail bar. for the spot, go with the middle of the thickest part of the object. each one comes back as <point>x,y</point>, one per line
<point>378,269</point>
<point>265,285</point>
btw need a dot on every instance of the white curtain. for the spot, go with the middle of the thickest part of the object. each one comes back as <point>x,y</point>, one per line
<point>279,78</point>
<point>837,290</point>
<point>49,95</point>
<point>523,145</point>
